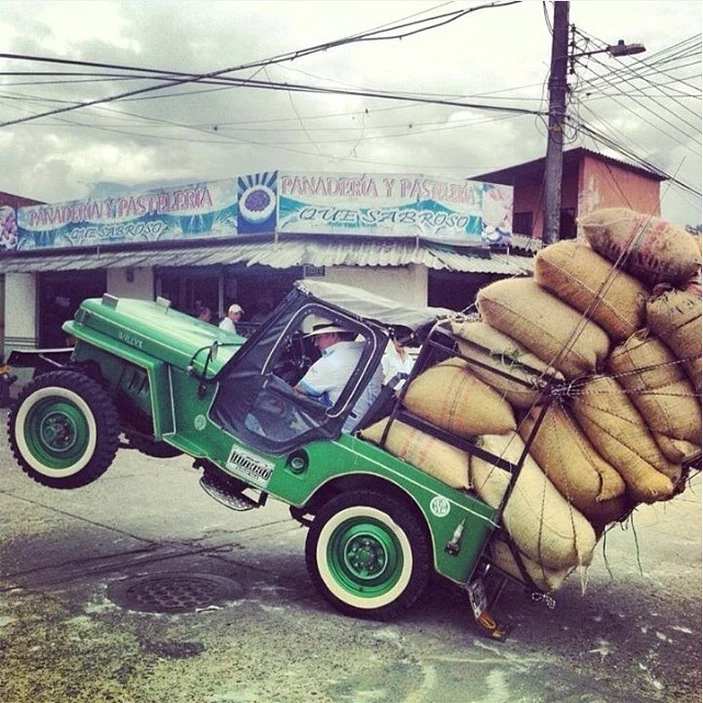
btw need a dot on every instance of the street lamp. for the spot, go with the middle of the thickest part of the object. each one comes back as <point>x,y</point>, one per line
<point>616,50</point>
<point>622,49</point>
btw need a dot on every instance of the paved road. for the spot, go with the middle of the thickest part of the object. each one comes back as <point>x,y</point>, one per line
<point>629,631</point>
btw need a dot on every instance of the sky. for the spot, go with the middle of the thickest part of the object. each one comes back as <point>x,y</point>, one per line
<point>497,55</point>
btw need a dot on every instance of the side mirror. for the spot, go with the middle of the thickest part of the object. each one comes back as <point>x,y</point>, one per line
<point>211,356</point>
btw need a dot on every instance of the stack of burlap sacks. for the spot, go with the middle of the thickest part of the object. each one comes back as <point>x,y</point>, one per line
<point>613,320</point>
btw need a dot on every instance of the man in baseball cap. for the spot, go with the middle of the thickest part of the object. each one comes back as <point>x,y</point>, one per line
<point>234,315</point>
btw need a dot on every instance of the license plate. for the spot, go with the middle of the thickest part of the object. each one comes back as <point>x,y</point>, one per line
<point>250,467</point>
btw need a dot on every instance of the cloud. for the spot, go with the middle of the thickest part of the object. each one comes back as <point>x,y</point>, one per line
<point>200,131</point>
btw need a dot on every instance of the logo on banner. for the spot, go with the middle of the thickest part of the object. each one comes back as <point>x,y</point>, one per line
<point>257,203</point>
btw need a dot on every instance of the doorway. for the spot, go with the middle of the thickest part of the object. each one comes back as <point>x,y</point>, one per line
<point>455,290</point>
<point>60,294</point>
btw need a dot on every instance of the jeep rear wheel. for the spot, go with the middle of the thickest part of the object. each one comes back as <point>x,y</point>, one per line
<point>64,430</point>
<point>369,555</point>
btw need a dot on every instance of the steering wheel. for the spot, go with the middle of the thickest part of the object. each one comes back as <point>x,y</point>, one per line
<point>293,361</point>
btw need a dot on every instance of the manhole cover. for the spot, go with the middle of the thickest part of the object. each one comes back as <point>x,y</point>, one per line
<point>172,592</point>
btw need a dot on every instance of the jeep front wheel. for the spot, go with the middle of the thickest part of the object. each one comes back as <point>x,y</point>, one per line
<point>64,430</point>
<point>369,554</point>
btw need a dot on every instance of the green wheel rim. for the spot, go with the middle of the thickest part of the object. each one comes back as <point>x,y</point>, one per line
<point>364,557</point>
<point>57,433</point>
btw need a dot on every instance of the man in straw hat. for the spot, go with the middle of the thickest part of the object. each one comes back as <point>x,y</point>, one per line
<point>326,378</point>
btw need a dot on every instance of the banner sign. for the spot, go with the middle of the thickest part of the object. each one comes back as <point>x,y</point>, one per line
<point>384,205</point>
<point>200,210</point>
<point>452,211</point>
<point>8,228</point>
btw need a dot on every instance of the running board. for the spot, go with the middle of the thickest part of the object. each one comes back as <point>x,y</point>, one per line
<point>233,499</point>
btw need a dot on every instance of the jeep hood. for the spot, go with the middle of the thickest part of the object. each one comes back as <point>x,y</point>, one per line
<point>152,328</point>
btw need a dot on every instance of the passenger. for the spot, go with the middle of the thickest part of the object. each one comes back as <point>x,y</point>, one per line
<point>234,315</point>
<point>396,359</point>
<point>205,314</point>
<point>326,378</point>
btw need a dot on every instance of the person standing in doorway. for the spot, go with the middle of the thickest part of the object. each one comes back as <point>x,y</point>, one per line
<point>234,315</point>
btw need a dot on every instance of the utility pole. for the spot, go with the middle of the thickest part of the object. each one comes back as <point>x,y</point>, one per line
<point>562,55</point>
<point>557,113</point>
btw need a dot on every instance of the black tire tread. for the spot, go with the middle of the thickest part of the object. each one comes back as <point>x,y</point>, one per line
<point>106,419</point>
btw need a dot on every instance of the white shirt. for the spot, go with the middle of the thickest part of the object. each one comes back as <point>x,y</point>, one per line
<point>228,326</point>
<point>326,379</point>
<point>392,363</point>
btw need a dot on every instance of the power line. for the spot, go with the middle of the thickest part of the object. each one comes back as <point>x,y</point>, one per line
<point>297,87</point>
<point>88,77</point>
<point>400,31</point>
<point>302,88</point>
<point>628,76</point>
<point>670,122</point>
<point>654,64</point>
<point>610,143</point>
<point>626,83</point>
<point>222,134</point>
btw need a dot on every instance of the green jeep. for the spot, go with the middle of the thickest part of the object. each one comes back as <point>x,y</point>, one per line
<point>146,376</point>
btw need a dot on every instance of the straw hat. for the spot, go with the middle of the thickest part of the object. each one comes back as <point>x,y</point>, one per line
<point>315,325</point>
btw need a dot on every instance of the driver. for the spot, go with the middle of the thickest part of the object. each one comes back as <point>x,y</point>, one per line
<point>326,378</point>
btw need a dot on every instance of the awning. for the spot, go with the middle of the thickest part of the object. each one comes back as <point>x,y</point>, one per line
<point>280,255</point>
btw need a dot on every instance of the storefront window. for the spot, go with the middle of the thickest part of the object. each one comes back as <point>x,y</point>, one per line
<point>191,291</point>
<point>60,294</point>
<point>258,289</point>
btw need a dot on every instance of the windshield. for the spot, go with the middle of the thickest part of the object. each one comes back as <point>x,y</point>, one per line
<point>258,399</point>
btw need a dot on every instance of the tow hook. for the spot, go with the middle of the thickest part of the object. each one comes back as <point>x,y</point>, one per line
<point>480,607</point>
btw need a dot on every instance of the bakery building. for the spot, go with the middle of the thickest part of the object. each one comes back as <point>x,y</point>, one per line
<point>409,237</point>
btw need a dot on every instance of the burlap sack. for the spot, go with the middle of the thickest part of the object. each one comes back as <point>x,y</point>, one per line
<point>653,250</point>
<point>680,451</point>
<point>675,317</point>
<point>542,523</point>
<point>590,283</point>
<point>572,464</point>
<point>451,397</point>
<point>488,346</point>
<point>554,331</point>
<point>618,432</point>
<point>657,385</point>
<point>436,458</point>
<point>544,579</point>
